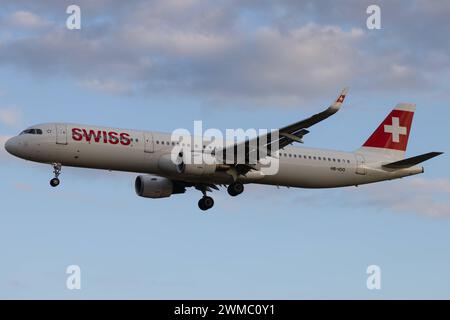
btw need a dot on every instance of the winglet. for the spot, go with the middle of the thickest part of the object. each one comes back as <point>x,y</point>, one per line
<point>340,100</point>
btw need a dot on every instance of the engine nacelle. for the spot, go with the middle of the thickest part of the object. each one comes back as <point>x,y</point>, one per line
<point>196,165</point>
<point>149,186</point>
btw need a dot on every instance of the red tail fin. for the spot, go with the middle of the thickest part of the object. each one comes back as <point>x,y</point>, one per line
<point>393,132</point>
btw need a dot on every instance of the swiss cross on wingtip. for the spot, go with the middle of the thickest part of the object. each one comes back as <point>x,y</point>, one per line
<point>341,98</point>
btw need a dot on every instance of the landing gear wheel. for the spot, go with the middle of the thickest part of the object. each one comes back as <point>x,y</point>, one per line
<point>236,188</point>
<point>54,182</point>
<point>57,171</point>
<point>206,203</point>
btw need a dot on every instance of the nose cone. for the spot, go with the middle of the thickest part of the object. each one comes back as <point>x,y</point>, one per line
<point>10,146</point>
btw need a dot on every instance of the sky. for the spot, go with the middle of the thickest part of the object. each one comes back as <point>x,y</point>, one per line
<point>160,65</point>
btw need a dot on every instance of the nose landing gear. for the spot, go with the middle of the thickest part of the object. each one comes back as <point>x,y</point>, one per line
<point>57,171</point>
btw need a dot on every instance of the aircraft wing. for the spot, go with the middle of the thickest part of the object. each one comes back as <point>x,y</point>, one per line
<point>295,131</point>
<point>286,135</point>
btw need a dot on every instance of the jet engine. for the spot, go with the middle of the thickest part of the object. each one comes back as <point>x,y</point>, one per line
<point>150,186</point>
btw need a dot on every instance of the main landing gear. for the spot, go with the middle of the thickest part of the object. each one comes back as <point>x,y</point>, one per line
<point>205,202</point>
<point>57,171</point>
<point>236,188</point>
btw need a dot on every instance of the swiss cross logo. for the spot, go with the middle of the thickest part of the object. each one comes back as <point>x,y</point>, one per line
<point>395,129</point>
<point>393,132</point>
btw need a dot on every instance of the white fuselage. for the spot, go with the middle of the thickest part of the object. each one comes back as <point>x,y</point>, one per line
<point>139,151</point>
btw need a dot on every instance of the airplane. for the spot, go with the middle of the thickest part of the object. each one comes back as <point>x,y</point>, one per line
<point>380,158</point>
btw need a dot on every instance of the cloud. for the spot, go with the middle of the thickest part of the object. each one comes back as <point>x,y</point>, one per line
<point>26,19</point>
<point>10,116</point>
<point>266,66</point>
<point>415,195</point>
<point>235,52</point>
<point>429,197</point>
<point>106,86</point>
<point>422,196</point>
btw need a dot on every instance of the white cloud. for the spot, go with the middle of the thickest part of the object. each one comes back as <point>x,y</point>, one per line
<point>440,185</point>
<point>415,195</point>
<point>10,116</point>
<point>429,197</point>
<point>106,86</point>
<point>26,19</point>
<point>250,52</point>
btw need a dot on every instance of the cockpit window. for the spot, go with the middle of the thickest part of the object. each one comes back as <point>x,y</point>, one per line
<point>32,131</point>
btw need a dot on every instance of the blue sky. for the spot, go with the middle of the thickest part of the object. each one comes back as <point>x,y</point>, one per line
<point>160,65</point>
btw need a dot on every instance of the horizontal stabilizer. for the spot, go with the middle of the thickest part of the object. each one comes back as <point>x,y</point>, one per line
<point>409,162</point>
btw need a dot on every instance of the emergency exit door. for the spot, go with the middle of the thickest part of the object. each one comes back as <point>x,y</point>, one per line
<point>148,142</point>
<point>61,134</point>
